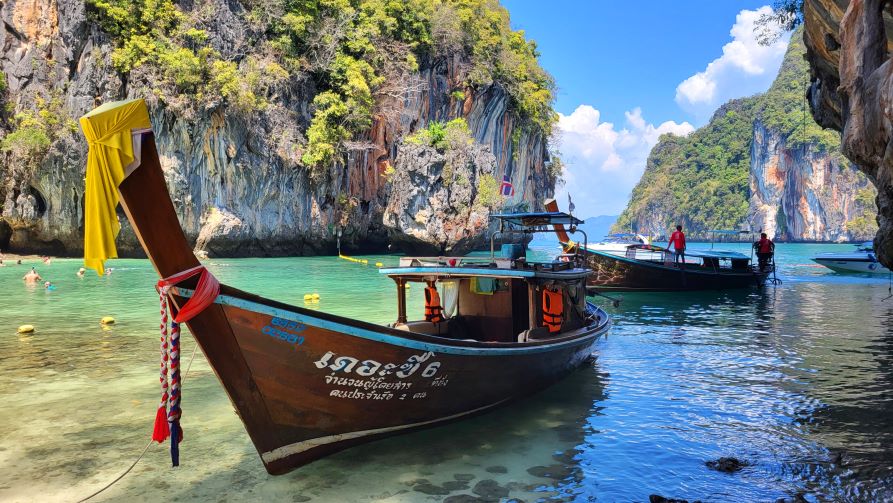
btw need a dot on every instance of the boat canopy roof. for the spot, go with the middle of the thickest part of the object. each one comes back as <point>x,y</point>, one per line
<point>536,219</point>
<point>717,254</point>
<point>468,272</point>
<point>425,268</point>
<point>720,254</point>
<point>729,232</point>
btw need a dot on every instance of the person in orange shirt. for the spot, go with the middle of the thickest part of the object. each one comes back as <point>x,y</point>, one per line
<point>677,239</point>
<point>765,249</point>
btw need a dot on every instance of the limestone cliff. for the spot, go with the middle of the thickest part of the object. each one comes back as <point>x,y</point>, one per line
<point>756,165</point>
<point>237,177</point>
<point>805,194</point>
<point>849,47</point>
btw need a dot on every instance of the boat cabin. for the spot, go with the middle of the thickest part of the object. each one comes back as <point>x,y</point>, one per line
<point>501,298</point>
<point>715,260</point>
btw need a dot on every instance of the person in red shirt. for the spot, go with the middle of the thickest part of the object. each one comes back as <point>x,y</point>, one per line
<point>677,239</point>
<point>765,249</point>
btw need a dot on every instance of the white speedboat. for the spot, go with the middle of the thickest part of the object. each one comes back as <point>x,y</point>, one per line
<point>862,260</point>
<point>616,244</point>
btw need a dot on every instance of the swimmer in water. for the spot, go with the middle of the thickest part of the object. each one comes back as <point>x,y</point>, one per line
<point>81,272</point>
<point>108,271</point>
<point>32,276</point>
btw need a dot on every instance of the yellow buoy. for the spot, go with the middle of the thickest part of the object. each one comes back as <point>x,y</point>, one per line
<point>107,320</point>
<point>315,296</point>
<point>307,296</point>
<point>26,329</point>
<point>378,264</point>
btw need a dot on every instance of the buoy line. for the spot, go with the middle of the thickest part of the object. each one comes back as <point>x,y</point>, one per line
<point>146,448</point>
<point>357,260</point>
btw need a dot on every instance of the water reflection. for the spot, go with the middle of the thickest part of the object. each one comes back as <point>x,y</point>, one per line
<point>794,379</point>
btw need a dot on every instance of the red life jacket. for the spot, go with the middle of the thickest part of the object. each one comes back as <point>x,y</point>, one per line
<point>433,309</point>
<point>677,239</point>
<point>765,245</point>
<point>553,309</point>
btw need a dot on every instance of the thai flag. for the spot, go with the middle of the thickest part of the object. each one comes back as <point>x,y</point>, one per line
<point>507,189</point>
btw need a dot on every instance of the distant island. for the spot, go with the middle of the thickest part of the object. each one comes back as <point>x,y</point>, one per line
<point>761,163</point>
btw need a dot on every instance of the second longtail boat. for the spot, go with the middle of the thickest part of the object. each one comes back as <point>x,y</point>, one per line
<point>653,268</point>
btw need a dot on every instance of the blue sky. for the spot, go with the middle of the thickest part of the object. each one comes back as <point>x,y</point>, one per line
<point>630,71</point>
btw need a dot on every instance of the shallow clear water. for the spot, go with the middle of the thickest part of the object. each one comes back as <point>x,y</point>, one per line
<point>794,379</point>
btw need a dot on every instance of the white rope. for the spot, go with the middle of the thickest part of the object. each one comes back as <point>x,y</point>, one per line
<point>146,448</point>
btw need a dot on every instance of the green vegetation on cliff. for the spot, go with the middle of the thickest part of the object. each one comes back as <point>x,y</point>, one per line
<point>356,52</point>
<point>702,180</point>
<point>865,223</point>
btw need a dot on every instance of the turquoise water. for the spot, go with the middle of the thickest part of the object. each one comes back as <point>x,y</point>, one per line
<point>794,379</point>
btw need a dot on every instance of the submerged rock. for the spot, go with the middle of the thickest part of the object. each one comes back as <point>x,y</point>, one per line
<point>497,469</point>
<point>727,465</point>
<point>556,472</point>
<point>455,485</point>
<point>431,489</point>
<point>489,488</point>
<point>656,498</point>
<point>797,498</point>
<point>566,457</point>
<point>463,498</point>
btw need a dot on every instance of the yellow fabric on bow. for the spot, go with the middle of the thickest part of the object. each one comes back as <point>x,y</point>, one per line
<point>108,130</point>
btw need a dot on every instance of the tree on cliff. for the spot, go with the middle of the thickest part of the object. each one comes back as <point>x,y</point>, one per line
<point>785,16</point>
<point>355,52</point>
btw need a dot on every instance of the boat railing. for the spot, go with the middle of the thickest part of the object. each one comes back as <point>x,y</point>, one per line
<point>650,253</point>
<point>447,261</point>
<point>577,257</point>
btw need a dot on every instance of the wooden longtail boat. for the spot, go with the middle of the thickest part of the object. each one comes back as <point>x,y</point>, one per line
<point>307,384</point>
<point>652,268</point>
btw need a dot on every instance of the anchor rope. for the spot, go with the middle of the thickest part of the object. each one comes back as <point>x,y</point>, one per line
<point>146,448</point>
<point>167,417</point>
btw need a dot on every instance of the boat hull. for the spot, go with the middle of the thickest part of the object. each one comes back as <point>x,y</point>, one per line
<point>863,266</point>
<point>623,274</point>
<point>327,383</point>
<point>307,383</point>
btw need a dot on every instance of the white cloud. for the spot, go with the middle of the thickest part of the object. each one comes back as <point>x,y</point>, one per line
<point>745,68</point>
<point>603,163</point>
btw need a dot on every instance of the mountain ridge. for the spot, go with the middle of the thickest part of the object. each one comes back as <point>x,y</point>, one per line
<point>756,164</point>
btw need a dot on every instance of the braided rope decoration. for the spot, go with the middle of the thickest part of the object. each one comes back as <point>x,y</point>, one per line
<point>162,430</point>
<point>167,418</point>
<point>174,412</point>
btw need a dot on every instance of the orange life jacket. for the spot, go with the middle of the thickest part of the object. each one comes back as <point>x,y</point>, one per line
<point>553,309</point>
<point>433,309</point>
